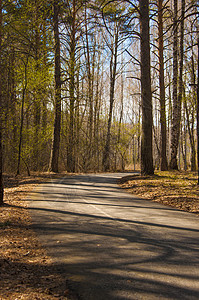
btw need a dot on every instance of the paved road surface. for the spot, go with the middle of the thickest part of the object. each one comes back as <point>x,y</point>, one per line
<point>112,245</point>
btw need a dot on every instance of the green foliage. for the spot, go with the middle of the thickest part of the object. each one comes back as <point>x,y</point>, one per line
<point>28,73</point>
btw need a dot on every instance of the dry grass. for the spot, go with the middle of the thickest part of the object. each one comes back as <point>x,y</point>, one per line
<point>176,189</point>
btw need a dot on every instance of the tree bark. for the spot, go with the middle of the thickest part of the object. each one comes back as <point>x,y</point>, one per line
<point>1,148</point>
<point>1,167</point>
<point>37,93</point>
<point>13,116</point>
<point>22,116</point>
<point>177,98</point>
<point>97,106</point>
<point>146,94</point>
<point>57,122</point>
<point>191,136</point>
<point>113,68</point>
<point>90,84</point>
<point>163,163</point>
<point>192,114</point>
<point>71,137</point>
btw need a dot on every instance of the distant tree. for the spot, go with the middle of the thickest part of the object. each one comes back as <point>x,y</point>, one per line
<point>57,121</point>
<point>72,26</point>
<point>118,29</point>
<point>113,45</point>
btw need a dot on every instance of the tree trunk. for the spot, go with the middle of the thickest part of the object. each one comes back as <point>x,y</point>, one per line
<point>177,97</point>
<point>45,62</point>
<point>57,122</point>
<point>197,104</point>
<point>163,163</point>
<point>146,94</point>
<point>96,114</point>
<point>22,116</point>
<point>71,136</point>
<point>1,167</point>
<point>121,111</point>
<point>191,136</point>
<point>77,124</point>
<point>90,85</point>
<point>192,114</point>
<point>13,116</point>
<point>1,150</point>
<point>37,93</point>
<point>184,136</point>
<point>113,67</point>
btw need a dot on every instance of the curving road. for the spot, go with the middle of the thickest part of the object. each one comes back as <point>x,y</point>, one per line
<point>112,245</point>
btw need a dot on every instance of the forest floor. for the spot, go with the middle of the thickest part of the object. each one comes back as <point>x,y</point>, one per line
<point>177,189</point>
<point>26,271</point>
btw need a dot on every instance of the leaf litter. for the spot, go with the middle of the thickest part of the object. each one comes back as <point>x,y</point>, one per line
<point>26,271</point>
<point>177,189</point>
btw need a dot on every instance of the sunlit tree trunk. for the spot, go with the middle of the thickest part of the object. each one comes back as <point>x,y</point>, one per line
<point>177,97</point>
<point>163,163</point>
<point>184,134</point>
<point>71,134</point>
<point>97,107</point>
<point>90,80</point>
<point>122,110</point>
<point>192,114</point>
<point>190,126</point>
<point>57,122</point>
<point>174,129</point>
<point>77,123</point>
<point>113,68</point>
<point>146,94</point>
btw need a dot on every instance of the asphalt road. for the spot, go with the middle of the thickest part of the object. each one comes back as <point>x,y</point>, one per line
<point>112,245</point>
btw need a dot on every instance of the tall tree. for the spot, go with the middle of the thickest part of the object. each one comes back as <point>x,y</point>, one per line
<point>1,148</point>
<point>118,29</point>
<point>163,163</point>
<point>175,114</point>
<point>25,83</point>
<point>71,71</point>
<point>37,96</point>
<point>113,68</point>
<point>146,94</point>
<point>57,122</point>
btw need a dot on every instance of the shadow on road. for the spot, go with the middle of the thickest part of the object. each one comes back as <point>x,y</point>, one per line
<point>111,245</point>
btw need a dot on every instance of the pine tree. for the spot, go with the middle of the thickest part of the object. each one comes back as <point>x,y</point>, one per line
<point>1,110</point>
<point>146,94</point>
<point>57,121</point>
